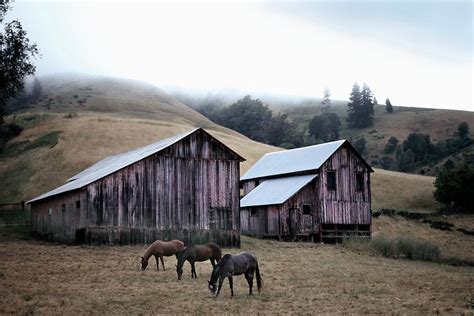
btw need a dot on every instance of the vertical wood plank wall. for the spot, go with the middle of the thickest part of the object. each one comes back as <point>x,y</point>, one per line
<point>344,206</point>
<point>190,189</point>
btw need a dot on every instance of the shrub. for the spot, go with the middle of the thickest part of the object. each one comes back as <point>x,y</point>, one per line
<point>383,246</point>
<point>360,145</point>
<point>391,145</point>
<point>70,115</point>
<point>454,188</point>
<point>399,247</point>
<point>47,140</point>
<point>7,132</point>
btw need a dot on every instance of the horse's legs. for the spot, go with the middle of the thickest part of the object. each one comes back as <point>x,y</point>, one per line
<point>157,263</point>
<point>162,263</point>
<point>221,280</point>
<point>249,277</point>
<point>213,262</point>
<point>231,284</point>
<point>193,270</point>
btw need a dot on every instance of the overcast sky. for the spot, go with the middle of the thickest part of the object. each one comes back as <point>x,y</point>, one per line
<point>417,53</point>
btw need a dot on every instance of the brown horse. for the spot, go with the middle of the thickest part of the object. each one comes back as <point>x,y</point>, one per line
<point>162,248</point>
<point>198,253</point>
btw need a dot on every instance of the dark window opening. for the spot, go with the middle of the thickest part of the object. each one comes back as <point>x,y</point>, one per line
<point>78,204</point>
<point>253,212</point>
<point>359,182</point>
<point>331,180</point>
<point>306,209</point>
<point>63,207</point>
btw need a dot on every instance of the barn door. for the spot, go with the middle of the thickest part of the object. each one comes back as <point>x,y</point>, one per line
<point>293,222</point>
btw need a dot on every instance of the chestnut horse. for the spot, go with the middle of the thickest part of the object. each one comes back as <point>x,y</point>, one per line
<point>162,248</point>
<point>244,263</point>
<point>199,253</point>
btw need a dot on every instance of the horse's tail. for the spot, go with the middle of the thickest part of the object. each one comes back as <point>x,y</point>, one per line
<point>259,278</point>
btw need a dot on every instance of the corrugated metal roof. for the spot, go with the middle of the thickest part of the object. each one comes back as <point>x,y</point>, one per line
<point>275,191</point>
<point>111,164</point>
<point>294,160</point>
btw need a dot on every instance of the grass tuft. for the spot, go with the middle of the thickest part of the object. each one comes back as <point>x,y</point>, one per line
<point>398,247</point>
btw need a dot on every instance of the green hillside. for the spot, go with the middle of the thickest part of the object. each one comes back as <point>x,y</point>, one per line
<point>441,125</point>
<point>64,134</point>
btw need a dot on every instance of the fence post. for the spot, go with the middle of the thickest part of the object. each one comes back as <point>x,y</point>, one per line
<point>23,206</point>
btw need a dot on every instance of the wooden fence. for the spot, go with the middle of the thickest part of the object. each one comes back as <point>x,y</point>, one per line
<point>13,206</point>
<point>14,217</point>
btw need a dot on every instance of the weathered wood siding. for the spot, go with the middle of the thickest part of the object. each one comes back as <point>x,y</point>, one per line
<point>274,220</point>
<point>189,190</point>
<point>345,205</point>
<point>61,224</point>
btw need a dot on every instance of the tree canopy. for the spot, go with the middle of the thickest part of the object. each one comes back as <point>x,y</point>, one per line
<point>16,55</point>
<point>325,127</point>
<point>454,188</point>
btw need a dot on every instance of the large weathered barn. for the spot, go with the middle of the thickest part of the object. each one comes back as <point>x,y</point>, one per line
<point>184,187</point>
<point>318,192</point>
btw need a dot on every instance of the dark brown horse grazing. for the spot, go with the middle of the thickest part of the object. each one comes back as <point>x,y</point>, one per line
<point>243,263</point>
<point>162,248</point>
<point>198,253</point>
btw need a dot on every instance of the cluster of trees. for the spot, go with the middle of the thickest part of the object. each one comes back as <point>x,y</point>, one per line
<point>256,121</point>
<point>360,112</point>
<point>16,54</point>
<point>418,150</point>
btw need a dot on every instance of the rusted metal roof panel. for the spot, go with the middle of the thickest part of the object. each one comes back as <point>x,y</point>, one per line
<point>275,191</point>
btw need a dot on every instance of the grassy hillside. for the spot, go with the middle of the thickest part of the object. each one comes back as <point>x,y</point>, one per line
<point>62,136</point>
<point>439,124</point>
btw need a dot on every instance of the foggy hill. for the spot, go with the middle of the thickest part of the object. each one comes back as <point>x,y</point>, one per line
<point>79,120</point>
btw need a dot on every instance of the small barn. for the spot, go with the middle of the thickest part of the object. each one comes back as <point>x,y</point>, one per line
<point>319,192</point>
<point>184,187</point>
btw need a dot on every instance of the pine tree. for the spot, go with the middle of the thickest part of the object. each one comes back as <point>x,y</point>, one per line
<point>367,107</point>
<point>388,106</point>
<point>36,90</point>
<point>375,101</point>
<point>353,111</point>
<point>326,102</point>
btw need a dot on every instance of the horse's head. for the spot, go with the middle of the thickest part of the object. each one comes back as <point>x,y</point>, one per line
<point>144,263</point>
<point>179,271</point>
<point>212,287</point>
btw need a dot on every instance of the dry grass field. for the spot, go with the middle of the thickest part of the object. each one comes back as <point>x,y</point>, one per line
<point>43,278</point>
